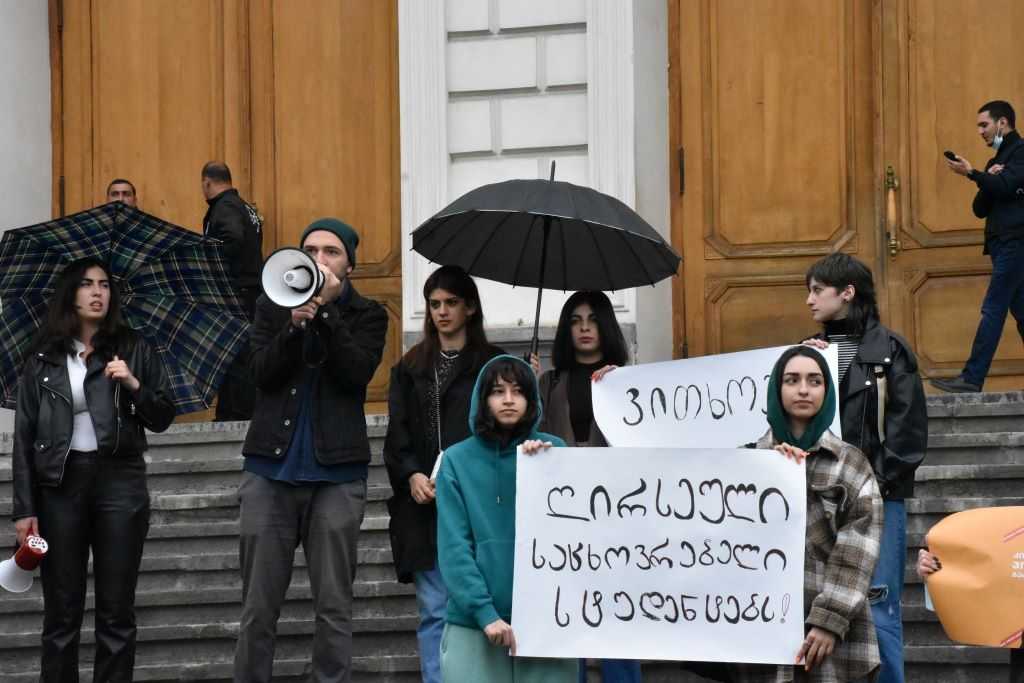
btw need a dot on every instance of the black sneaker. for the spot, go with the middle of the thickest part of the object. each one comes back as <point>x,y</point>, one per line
<point>955,385</point>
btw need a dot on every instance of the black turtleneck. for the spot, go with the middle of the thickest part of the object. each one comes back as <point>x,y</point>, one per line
<point>581,410</point>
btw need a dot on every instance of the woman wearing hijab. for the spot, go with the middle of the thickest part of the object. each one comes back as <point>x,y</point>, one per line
<point>844,526</point>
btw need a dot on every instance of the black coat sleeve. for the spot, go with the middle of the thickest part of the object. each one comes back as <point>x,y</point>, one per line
<point>25,420</point>
<point>153,401</point>
<point>228,225</point>
<point>1002,185</point>
<point>906,419</point>
<point>400,443</point>
<point>276,348</point>
<point>353,353</point>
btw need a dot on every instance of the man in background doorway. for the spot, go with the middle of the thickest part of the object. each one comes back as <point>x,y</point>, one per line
<point>121,190</point>
<point>1000,201</point>
<point>237,224</point>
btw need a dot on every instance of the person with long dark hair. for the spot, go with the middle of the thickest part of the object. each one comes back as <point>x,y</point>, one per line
<point>844,525</point>
<point>883,413</point>
<point>476,531</point>
<point>428,401</point>
<point>88,388</point>
<point>588,344</point>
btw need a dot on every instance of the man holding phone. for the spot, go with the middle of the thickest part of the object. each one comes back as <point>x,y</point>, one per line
<point>1000,201</point>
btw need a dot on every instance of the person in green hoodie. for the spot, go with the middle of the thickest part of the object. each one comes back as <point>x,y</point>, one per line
<point>476,521</point>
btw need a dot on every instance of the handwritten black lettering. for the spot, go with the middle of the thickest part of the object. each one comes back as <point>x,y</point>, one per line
<point>744,548</point>
<point>558,619</point>
<point>685,546</point>
<point>706,558</point>
<point>764,499</point>
<point>596,599</point>
<point>634,394</point>
<point>689,613</point>
<point>575,557</point>
<point>777,553</point>
<point>565,559</point>
<point>747,614</point>
<point>593,559</point>
<point>657,393</point>
<point>633,508</point>
<point>739,489</point>
<point>632,607</point>
<point>731,600</point>
<point>718,415</point>
<point>618,553</point>
<point>693,505</point>
<point>534,559</point>
<point>657,601</point>
<point>561,490</point>
<point>600,490</point>
<point>739,387</point>
<point>706,486</point>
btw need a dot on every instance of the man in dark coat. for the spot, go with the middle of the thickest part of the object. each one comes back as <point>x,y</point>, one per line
<point>306,458</point>
<point>428,401</point>
<point>1000,201</point>
<point>237,224</point>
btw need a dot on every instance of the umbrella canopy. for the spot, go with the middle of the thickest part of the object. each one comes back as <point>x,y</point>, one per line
<point>175,292</point>
<point>593,241</point>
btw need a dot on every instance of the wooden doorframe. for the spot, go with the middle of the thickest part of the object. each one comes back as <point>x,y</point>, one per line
<point>680,347</point>
<point>56,26</point>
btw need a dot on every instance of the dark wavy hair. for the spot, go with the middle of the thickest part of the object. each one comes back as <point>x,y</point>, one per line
<point>839,270</point>
<point>613,344</point>
<point>62,324</point>
<point>516,372</point>
<point>452,279</point>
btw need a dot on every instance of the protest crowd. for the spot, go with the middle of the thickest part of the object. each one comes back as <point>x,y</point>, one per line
<point>464,417</point>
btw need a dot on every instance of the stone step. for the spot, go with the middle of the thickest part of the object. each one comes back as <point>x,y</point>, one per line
<point>973,413</point>
<point>976,448</point>
<point>968,481</point>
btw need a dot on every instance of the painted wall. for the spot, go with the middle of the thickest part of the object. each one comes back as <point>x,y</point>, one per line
<point>25,165</point>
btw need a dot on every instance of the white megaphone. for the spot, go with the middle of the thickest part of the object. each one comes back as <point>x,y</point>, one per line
<point>16,572</point>
<point>291,277</point>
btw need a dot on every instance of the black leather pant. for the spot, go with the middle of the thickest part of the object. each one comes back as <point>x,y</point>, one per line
<point>102,504</point>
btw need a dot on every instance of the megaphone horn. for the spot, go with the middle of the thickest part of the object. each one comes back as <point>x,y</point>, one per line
<point>291,277</point>
<point>16,572</point>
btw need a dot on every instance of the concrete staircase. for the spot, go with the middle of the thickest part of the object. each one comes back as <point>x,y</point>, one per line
<point>189,589</point>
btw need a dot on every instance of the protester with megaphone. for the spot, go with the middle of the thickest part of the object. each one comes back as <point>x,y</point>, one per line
<point>307,450</point>
<point>88,388</point>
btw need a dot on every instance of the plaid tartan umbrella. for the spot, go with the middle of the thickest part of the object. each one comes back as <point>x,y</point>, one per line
<point>174,285</point>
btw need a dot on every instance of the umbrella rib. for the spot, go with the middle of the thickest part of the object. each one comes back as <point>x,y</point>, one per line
<point>522,250</point>
<point>455,233</point>
<point>565,266</point>
<point>643,266</point>
<point>483,245</point>
<point>430,226</point>
<point>600,253</point>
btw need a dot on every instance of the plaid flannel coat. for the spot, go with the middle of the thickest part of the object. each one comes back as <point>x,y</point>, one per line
<point>844,527</point>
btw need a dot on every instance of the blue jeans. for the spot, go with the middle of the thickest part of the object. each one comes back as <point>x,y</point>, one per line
<point>887,589</point>
<point>614,671</point>
<point>432,600</point>
<point>1005,293</point>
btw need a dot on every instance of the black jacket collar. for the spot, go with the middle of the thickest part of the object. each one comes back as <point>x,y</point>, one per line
<point>213,200</point>
<point>1010,142</point>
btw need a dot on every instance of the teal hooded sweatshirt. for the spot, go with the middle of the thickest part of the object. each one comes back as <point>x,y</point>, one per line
<point>476,517</point>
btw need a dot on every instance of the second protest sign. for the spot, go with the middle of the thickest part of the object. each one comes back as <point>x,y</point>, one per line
<point>646,553</point>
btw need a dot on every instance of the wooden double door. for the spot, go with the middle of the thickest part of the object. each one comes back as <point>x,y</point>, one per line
<point>300,100</point>
<point>809,126</point>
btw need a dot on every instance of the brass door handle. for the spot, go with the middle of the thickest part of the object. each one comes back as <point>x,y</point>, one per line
<point>892,230</point>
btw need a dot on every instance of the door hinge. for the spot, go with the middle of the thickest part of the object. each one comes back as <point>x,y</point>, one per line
<point>682,171</point>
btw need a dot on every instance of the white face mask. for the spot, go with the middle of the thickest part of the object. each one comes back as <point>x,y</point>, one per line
<point>997,139</point>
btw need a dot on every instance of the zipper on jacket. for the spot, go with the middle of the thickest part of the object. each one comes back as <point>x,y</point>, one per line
<point>117,414</point>
<point>64,462</point>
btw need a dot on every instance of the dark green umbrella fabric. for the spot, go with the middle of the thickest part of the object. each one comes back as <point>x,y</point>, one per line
<point>174,285</point>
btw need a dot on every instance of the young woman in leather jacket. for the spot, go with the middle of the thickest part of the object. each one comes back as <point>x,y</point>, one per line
<point>88,387</point>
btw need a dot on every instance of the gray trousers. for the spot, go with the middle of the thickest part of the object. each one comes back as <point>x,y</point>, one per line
<point>275,517</point>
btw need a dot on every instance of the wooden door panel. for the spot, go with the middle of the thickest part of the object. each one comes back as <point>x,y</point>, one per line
<point>771,103</point>
<point>335,116</point>
<point>939,63</point>
<point>779,126</point>
<point>151,91</point>
<point>953,67</point>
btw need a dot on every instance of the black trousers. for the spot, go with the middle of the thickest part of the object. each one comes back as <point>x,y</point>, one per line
<point>237,396</point>
<point>1017,664</point>
<point>102,504</point>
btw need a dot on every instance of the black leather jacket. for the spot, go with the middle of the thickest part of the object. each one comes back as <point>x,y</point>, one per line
<point>352,336</point>
<point>1000,197</point>
<point>906,417</point>
<point>44,416</point>
<point>237,224</point>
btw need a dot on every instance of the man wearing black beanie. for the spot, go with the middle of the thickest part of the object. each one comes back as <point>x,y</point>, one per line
<point>306,458</point>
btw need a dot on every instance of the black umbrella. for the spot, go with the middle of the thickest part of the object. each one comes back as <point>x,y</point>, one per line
<point>547,233</point>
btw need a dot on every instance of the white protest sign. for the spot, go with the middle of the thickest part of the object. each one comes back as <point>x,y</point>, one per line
<point>706,402</point>
<point>657,553</point>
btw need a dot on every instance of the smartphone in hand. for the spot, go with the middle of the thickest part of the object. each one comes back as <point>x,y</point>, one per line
<point>949,155</point>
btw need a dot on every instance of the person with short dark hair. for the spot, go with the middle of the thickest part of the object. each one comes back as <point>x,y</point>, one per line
<point>239,226</point>
<point>476,528</point>
<point>307,454</point>
<point>89,386</point>
<point>428,410</point>
<point>121,190</point>
<point>1000,201</point>
<point>883,413</point>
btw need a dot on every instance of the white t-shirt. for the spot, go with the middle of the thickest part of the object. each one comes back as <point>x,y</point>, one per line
<point>83,434</point>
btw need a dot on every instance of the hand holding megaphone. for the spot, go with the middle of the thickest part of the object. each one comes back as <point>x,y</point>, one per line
<point>16,572</point>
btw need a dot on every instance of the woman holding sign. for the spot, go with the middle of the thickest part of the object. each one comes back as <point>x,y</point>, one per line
<point>844,525</point>
<point>588,344</point>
